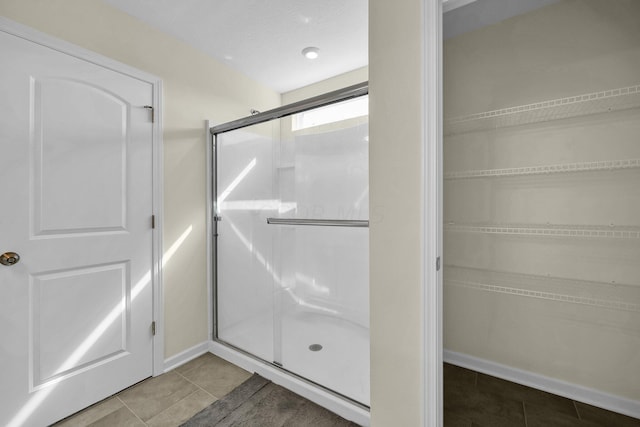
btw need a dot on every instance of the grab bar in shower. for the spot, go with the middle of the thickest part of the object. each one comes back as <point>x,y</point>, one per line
<point>319,222</point>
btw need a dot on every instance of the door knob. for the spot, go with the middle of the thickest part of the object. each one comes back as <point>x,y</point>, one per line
<point>9,258</point>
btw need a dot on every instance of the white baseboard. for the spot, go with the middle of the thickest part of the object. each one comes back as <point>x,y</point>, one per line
<point>323,398</point>
<point>186,356</point>
<point>551,385</point>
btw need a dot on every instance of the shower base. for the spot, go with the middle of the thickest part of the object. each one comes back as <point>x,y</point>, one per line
<point>342,362</point>
<point>340,367</point>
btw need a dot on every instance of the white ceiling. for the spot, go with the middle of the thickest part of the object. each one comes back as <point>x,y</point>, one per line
<point>264,39</point>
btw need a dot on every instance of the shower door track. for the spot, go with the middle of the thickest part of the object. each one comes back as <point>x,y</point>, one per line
<point>279,367</point>
<point>329,98</point>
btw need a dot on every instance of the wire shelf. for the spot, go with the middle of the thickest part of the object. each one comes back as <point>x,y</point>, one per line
<point>609,232</point>
<point>602,165</point>
<point>555,109</point>
<point>584,292</point>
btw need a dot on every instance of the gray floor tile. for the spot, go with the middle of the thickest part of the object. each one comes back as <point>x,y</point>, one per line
<point>272,406</point>
<point>180,412</point>
<point>154,395</point>
<point>485,409</point>
<point>260,403</point>
<point>123,417</point>
<point>540,416</point>
<point>215,375</point>
<point>229,403</point>
<point>452,419</point>
<point>314,415</point>
<point>197,363</point>
<point>459,376</point>
<point>531,396</point>
<point>604,417</point>
<point>92,413</point>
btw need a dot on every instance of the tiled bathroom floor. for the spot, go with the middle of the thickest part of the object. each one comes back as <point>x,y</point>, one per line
<point>472,399</point>
<point>167,400</point>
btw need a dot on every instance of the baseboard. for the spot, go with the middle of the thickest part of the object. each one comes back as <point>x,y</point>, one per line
<point>315,394</point>
<point>186,356</point>
<point>551,385</point>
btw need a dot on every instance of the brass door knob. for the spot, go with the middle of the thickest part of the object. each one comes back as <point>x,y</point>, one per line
<point>9,258</point>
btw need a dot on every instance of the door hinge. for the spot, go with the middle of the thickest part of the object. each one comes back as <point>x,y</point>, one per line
<point>153,113</point>
<point>438,264</point>
<point>153,328</point>
<point>153,221</point>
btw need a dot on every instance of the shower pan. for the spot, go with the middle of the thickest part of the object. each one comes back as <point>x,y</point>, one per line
<point>291,243</point>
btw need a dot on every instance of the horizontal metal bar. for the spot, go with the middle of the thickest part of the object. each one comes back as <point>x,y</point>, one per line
<point>319,222</point>
<point>297,107</point>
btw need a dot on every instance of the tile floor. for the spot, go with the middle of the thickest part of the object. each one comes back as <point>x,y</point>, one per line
<point>258,402</point>
<point>167,400</point>
<point>472,399</point>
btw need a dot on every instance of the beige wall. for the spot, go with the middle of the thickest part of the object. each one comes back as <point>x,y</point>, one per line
<point>396,197</point>
<point>196,88</point>
<point>580,330</point>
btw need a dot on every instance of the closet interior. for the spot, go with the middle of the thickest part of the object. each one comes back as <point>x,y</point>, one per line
<point>542,195</point>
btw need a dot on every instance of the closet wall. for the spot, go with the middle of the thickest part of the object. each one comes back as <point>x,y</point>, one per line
<point>542,194</point>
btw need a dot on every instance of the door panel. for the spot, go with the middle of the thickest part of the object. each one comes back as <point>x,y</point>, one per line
<point>58,299</point>
<point>76,195</point>
<point>99,133</point>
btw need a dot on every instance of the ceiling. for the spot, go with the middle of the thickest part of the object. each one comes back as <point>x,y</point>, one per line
<point>264,39</point>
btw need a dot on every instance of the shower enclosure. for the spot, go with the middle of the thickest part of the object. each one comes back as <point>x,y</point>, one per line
<point>290,225</point>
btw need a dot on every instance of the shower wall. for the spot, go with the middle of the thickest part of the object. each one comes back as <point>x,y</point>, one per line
<point>542,194</point>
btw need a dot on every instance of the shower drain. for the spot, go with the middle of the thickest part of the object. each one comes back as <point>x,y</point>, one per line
<point>315,347</point>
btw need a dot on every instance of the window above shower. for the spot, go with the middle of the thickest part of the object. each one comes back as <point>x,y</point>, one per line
<point>358,107</point>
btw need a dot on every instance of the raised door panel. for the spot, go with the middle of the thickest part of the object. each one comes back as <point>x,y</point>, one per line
<point>79,318</point>
<point>79,157</point>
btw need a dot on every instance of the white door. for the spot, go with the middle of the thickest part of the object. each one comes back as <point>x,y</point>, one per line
<point>75,205</point>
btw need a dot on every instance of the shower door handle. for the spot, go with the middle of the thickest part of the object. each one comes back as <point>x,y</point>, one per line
<point>319,222</point>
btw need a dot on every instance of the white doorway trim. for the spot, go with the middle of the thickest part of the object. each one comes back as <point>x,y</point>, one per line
<point>432,226</point>
<point>210,213</point>
<point>59,45</point>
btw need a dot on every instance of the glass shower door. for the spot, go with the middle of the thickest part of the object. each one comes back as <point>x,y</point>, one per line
<point>323,244</point>
<point>245,273</point>
<point>292,205</point>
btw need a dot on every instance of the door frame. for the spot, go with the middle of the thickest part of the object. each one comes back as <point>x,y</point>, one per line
<point>211,261</point>
<point>432,184</point>
<point>29,34</point>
